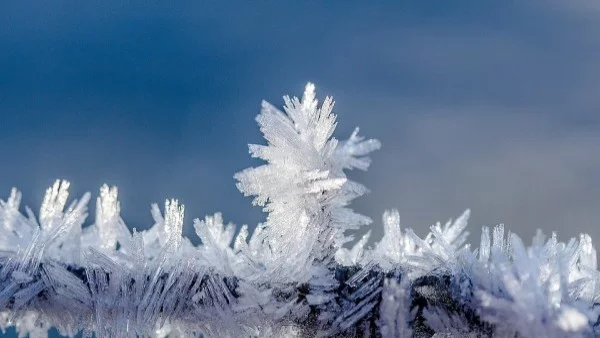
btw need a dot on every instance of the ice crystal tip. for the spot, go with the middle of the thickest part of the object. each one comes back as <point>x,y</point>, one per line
<point>174,217</point>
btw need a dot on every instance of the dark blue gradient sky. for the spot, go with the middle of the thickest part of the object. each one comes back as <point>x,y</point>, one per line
<point>489,106</point>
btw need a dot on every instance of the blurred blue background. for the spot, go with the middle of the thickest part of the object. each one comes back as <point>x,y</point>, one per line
<point>491,106</point>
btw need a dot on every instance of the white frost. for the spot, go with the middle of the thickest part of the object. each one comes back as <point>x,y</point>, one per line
<point>293,276</point>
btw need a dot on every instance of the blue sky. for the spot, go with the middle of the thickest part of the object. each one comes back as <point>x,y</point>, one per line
<point>493,107</point>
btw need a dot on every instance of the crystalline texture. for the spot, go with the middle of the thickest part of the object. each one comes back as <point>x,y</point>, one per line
<point>303,185</point>
<point>293,277</point>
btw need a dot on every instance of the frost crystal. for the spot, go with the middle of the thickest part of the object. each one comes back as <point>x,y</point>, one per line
<point>295,276</point>
<point>303,186</point>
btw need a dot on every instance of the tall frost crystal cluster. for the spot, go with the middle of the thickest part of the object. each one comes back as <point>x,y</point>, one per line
<point>294,276</point>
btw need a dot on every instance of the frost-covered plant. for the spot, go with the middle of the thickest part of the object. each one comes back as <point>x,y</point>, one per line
<point>293,276</point>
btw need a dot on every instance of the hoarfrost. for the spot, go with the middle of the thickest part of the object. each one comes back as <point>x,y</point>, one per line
<point>294,276</point>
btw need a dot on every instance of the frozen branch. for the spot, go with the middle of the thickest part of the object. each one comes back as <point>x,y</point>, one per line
<point>294,276</point>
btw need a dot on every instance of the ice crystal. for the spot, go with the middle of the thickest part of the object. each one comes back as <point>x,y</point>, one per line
<point>296,275</point>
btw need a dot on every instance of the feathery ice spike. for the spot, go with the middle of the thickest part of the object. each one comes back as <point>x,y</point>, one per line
<point>293,276</point>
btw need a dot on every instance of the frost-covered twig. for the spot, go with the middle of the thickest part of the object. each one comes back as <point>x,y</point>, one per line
<point>293,276</point>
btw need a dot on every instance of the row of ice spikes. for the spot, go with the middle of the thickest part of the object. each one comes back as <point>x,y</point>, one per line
<point>549,281</point>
